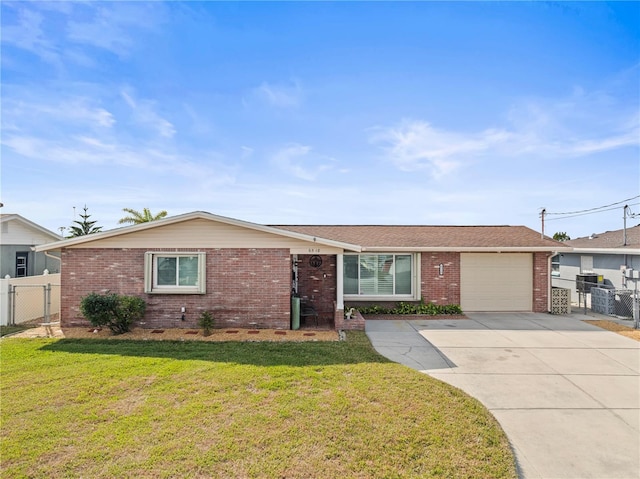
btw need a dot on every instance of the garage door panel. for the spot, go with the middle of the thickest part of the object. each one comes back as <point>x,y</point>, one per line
<point>496,281</point>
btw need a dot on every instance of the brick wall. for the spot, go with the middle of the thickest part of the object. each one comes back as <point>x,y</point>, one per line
<point>318,285</point>
<point>438,289</point>
<point>541,282</point>
<point>245,287</point>
<point>355,323</point>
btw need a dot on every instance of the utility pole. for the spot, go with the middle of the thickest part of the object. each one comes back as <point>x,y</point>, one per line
<point>542,214</point>
<point>624,217</point>
<point>626,212</point>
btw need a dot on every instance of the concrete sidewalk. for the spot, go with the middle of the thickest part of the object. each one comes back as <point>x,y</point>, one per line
<point>566,393</point>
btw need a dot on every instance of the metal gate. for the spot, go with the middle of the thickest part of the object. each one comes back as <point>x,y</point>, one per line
<point>34,303</point>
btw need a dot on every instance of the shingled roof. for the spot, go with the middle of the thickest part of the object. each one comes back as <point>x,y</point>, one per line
<point>609,240</point>
<point>425,238</point>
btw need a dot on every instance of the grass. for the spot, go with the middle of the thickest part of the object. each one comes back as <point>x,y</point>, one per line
<point>77,408</point>
<point>621,329</point>
<point>6,330</point>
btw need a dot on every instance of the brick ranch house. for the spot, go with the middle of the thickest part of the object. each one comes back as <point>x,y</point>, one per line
<point>246,273</point>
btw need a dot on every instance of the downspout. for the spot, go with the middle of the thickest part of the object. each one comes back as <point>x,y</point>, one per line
<point>59,260</point>
<point>549,287</point>
<point>339,281</point>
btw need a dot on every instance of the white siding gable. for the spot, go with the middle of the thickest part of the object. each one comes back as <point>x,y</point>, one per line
<point>202,233</point>
<point>15,232</point>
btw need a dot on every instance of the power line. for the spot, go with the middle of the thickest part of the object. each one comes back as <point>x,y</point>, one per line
<point>590,212</point>
<point>578,213</point>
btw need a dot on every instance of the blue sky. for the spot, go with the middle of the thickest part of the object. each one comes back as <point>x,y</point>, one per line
<point>323,113</point>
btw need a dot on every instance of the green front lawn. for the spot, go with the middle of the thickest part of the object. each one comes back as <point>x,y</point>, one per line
<point>147,409</point>
<point>6,330</point>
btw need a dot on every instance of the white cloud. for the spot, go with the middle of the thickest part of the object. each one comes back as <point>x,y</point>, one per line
<point>416,145</point>
<point>145,114</point>
<point>28,35</point>
<point>246,152</point>
<point>45,28</point>
<point>280,96</point>
<point>113,27</point>
<point>583,123</point>
<point>78,150</point>
<point>33,112</point>
<point>579,125</point>
<point>301,162</point>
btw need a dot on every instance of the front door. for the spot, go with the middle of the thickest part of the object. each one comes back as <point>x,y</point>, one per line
<point>22,259</point>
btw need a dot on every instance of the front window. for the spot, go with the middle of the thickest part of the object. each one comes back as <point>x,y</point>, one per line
<point>378,274</point>
<point>175,273</point>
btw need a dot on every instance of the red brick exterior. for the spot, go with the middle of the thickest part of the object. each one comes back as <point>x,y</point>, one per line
<point>541,275</point>
<point>317,285</point>
<point>355,323</point>
<point>438,289</point>
<point>245,287</point>
<point>248,287</point>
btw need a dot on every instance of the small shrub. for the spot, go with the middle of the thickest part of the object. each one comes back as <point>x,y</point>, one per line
<point>206,322</point>
<point>429,309</point>
<point>112,310</point>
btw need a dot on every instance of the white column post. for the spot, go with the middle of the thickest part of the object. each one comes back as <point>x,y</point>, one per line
<point>339,281</point>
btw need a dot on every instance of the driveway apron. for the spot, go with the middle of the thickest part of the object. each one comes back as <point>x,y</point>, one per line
<point>566,393</point>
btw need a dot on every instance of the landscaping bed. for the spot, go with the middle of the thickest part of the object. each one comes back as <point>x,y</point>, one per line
<point>229,334</point>
<point>175,334</point>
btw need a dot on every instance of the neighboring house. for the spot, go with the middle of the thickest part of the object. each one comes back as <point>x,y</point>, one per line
<point>603,254</point>
<point>18,237</point>
<point>246,273</point>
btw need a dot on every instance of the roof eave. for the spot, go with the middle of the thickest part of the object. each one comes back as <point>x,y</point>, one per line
<point>618,250</point>
<point>191,216</point>
<point>467,249</point>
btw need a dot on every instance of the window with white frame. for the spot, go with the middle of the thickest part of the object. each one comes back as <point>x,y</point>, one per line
<point>378,275</point>
<point>174,273</point>
<point>555,265</point>
<point>586,264</point>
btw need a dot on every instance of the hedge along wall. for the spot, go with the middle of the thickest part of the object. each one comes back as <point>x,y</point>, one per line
<point>245,287</point>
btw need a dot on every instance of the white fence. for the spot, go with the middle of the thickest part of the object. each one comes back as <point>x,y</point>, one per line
<point>30,299</point>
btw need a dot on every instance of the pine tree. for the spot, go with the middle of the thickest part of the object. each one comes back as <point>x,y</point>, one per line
<point>84,227</point>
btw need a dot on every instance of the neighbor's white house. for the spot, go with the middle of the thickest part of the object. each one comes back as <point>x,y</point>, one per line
<point>18,238</point>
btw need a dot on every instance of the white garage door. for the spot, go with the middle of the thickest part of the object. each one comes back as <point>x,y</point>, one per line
<point>496,281</point>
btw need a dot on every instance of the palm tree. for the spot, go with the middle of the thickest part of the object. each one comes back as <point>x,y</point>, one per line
<point>135,217</point>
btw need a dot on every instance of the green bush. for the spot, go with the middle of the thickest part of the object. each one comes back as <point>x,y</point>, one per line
<point>429,309</point>
<point>206,322</point>
<point>112,310</point>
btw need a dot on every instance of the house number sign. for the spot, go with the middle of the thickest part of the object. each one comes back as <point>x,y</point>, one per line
<point>315,261</point>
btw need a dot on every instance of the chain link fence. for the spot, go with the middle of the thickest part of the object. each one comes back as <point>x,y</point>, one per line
<point>613,302</point>
<point>601,298</point>
<point>33,303</point>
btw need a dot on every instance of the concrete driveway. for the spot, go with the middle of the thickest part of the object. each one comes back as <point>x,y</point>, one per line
<point>566,393</point>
